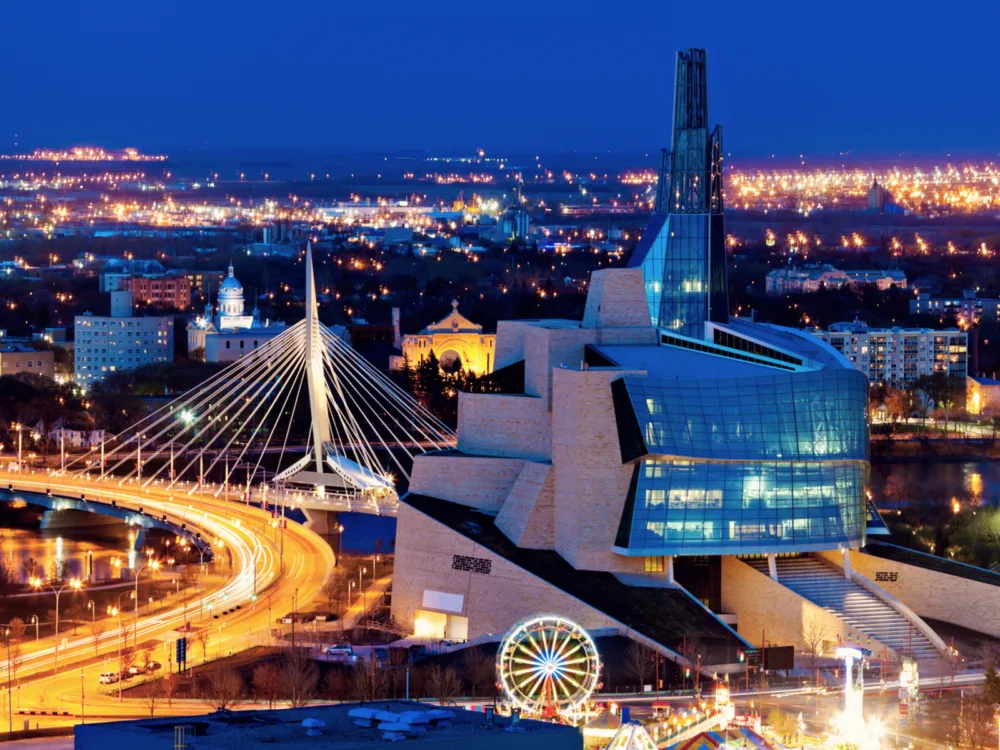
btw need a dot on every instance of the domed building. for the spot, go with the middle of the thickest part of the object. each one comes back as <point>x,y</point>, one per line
<point>229,334</point>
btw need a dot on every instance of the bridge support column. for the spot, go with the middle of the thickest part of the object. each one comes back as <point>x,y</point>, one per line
<point>772,566</point>
<point>323,522</point>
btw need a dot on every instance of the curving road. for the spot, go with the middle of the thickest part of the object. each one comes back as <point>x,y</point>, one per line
<point>256,566</point>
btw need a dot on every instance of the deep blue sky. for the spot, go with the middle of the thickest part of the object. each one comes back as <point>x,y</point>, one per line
<point>551,75</point>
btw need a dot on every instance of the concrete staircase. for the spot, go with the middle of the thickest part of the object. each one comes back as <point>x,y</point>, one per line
<point>826,586</point>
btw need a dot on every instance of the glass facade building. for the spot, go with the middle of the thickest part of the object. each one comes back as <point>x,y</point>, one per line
<point>683,252</point>
<point>744,465</point>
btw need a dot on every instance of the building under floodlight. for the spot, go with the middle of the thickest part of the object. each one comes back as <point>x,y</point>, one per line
<point>664,469</point>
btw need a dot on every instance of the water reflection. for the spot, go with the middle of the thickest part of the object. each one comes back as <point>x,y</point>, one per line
<point>49,551</point>
<point>968,482</point>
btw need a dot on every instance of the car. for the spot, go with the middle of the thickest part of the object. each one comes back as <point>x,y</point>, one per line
<point>107,678</point>
<point>152,666</point>
<point>134,670</point>
<point>342,653</point>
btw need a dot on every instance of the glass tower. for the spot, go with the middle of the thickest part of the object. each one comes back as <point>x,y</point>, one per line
<point>683,251</point>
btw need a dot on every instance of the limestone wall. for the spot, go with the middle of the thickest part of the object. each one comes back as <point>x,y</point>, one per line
<point>495,424</point>
<point>766,608</point>
<point>476,481</point>
<point>970,604</point>
<point>546,349</point>
<point>492,602</point>
<point>590,482</point>
<point>527,516</point>
<point>510,342</point>
<point>616,298</point>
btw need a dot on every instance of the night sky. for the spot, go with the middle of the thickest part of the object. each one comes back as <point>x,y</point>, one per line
<point>879,76</point>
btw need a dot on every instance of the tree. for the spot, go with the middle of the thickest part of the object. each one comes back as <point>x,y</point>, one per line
<point>15,644</point>
<point>978,720</point>
<point>897,405</point>
<point>8,580</point>
<point>97,629</point>
<point>265,683</point>
<point>477,667</point>
<point>154,694</point>
<point>814,637</point>
<point>200,637</point>
<point>331,590</point>
<point>76,612</point>
<point>443,684</point>
<point>335,685</point>
<point>127,659</point>
<point>30,569</point>
<point>991,688</point>
<point>369,681</point>
<point>783,724</point>
<point>639,663</point>
<point>298,678</point>
<point>225,689</point>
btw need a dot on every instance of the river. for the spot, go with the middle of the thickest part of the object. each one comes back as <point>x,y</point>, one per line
<point>973,482</point>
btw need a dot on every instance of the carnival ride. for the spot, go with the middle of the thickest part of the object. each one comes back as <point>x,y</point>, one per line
<point>303,415</point>
<point>548,666</point>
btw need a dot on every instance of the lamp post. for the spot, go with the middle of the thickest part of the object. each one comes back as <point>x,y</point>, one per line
<point>18,427</point>
<point>73,583</point>
<point>151,564</point>
<point>93,611</point>
<point>340,542</point>
<point>10,707</point>
<point>34,621</point>
<point>364,593</point>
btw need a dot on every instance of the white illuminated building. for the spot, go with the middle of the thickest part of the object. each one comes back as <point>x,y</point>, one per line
<point>228,334</point>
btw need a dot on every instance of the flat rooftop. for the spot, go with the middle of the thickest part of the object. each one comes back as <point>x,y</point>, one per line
<point>249,730</point>
<point>673,362</point>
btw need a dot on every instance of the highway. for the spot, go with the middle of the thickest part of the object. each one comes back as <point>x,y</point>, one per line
<point>256,566</point>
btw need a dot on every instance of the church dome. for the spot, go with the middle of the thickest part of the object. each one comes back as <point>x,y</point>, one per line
<point>230,288</point>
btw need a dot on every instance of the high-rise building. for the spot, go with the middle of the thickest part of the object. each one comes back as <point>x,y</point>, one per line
<point>683,250</point>
<point>119,341</point>
<point>899,356</point>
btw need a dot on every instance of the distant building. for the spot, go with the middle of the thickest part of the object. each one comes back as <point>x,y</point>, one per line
<point>879,277</point>
<point>452,338</point>
<point>120,341</point>
<point>813,277</point>
<point>15,360</point>
<point>898,356</point>
<point>968,307</point>
<point>229,334</point>
<point>76,437</point>
<point>880,200</point>
<point>167,290</point>
<point>982,395</point>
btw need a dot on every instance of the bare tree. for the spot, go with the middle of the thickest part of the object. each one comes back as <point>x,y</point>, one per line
<point>477,667</point>
<point>814,638</point>
<point>15,645</point>
<point>331,590</point>
<point>335,685</point>
<point>153,696</point>
<point>369,681</point>
<point>265,683</point>
<point>76,613</point>
<point>298,679</point>
<point>200,637</point>
<point>97,629</point>
<point>147,653</point>
<point>639,663</point>
<point>978,720</point>
<point>30,568</point>
<point>443,683</point>
<point>225,689</point>
<point>8,578</point>
<point>127,659</point>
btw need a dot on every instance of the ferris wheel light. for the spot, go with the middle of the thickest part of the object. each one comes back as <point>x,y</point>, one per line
<point>548,665</point>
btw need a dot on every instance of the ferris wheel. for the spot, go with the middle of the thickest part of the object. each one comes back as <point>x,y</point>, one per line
<point>548,665</point>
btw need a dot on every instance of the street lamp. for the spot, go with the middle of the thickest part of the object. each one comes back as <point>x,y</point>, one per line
<point>340,542</point>
<point>73,583</point>
<point>93,610</point>
<point>154,565</point>
<point>18,427</point>
<point>361,588</point>
<point>34,621</point>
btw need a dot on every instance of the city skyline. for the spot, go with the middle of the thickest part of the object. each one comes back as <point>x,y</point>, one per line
<point>526,79</point>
